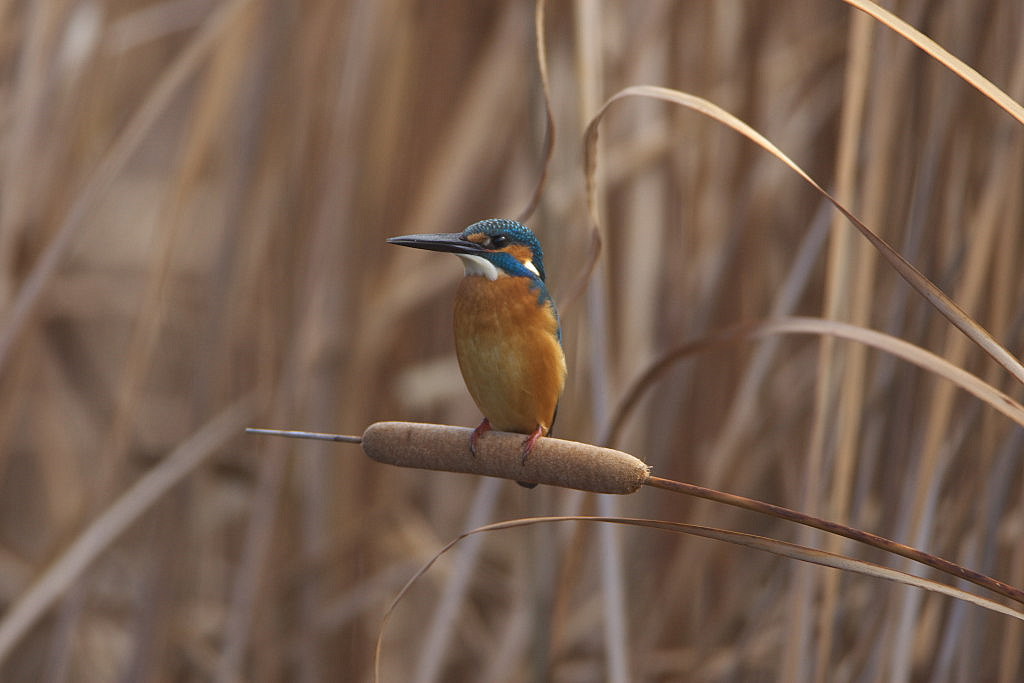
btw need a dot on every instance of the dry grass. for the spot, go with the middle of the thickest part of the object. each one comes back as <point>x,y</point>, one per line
<point>193,207</point>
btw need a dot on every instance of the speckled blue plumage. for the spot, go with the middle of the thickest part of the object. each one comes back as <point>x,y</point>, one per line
<point>517,232</point>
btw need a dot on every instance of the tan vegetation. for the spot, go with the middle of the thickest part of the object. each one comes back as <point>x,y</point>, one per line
<point>194,198</point>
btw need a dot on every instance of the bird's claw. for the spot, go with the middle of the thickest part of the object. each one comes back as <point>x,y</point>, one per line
<point>480,430</point>
<point>530,442</point>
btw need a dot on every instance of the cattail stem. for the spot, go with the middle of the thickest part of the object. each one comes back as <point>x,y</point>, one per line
<point>855,534</point>
<point>498,454</point>
<point>294,434</point>
<point>585,467</point>
<point>601,470</point>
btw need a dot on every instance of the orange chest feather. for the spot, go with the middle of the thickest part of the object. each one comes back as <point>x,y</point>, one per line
<point>508,351</point>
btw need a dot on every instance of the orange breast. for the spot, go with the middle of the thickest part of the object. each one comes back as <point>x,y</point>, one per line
<point>508,352</point>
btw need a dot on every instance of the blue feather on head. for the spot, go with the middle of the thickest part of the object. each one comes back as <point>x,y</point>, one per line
<point>514,233</point>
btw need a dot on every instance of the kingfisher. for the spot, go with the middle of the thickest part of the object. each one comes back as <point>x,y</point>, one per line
<point>508,339</point>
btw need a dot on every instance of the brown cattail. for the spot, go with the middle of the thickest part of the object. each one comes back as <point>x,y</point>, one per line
<point>499,454</point>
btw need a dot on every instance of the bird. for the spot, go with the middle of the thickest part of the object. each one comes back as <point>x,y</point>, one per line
<point>508,337</point>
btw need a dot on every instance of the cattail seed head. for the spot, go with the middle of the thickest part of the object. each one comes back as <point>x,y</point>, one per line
<point>499,454</point>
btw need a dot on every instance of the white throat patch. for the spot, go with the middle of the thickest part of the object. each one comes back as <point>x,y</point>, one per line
<point>532,268</point>
<point>478,265</point>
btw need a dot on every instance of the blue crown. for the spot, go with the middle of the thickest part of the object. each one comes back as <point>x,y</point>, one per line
<point>515,233</point>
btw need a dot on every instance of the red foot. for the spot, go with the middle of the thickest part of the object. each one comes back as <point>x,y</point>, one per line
<point>481,429</point>
<point>528,444</point>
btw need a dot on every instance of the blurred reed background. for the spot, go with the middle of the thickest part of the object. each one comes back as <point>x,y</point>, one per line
<point>195,197</point>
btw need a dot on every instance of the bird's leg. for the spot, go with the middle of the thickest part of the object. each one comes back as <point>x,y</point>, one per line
<point>528,444</point>
<point>481,429</point>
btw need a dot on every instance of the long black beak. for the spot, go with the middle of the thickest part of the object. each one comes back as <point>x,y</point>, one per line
<point>450,242</point>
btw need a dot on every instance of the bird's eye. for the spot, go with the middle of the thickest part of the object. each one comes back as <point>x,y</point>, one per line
<point>499,241</point>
